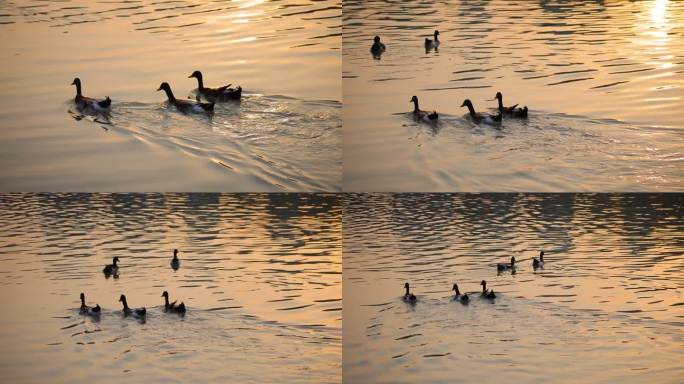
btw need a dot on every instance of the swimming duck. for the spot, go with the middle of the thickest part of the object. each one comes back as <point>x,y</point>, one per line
<point>409,297</point>
<point>485,294</point>
<point>186,106</point>
<point>538,263</point>
<point>171,307</point>
<point>378,48</point>
<point>432,44</point>
<point>86,310</point>
<point>87,103</point>
<point>506,267</point>
<point>224,93</point>
<point>139,312</point>
<point>478,118</point>
<point>457,296</point>
<point>422,115</point>
<point>175,263</point>
<point>111,268</point>
<point>511,111</point>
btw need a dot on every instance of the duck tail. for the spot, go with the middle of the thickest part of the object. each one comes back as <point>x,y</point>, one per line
<point>105,103</point>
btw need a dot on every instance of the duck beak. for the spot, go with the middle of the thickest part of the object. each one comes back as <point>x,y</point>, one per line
<point>190,76</point>
<point>159,89</point>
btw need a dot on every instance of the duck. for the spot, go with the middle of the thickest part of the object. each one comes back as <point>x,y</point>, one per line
<point>377,48</point>
<point>506,267</point>
<point>175,263</point>
<point>538,263</point>
<point>171,307</point>
<point>457,296</point>
<point>432,44</point>
<point>478,118</point>
<point>511,111</point>
<point>138,312</point>
<point>186,106</point>
<point>485,294</point>
<point>86,310</point>
<point>88,103</point>
<point>409,297</point>
<point>224,93</point>
<point>111,268</point>
<point>422,115</point>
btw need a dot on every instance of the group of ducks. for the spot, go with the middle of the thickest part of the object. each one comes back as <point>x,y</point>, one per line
<point>513,111</point>
<point>140,313</point>
<point>211,95</point>
<point>485,294</point>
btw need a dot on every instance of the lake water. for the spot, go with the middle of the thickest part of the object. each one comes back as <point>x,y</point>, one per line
<point>604,82</point>
<point>260,276</point>
<point>284,136</point>
<point>607,307</point>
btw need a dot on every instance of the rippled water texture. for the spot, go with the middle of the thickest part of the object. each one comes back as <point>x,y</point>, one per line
<point>607,307</point>
<point>284,136</point>
<point>260,275</point>
<point>604,82</point>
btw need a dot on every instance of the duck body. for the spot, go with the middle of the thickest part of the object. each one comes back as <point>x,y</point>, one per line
<point>90,311</point>
<point>420,115</point>
<point>377,48</point>
<point>225,93</point>
<point>89,104</point>
<point>463,298</point>
<point>512,111</point>
<point>432,44</point>
<point>478,118</point>
<point>538,263</point>
<point>487,294</point>
<point>408,296</point>
<point>506,267</point>
<point>139,313</point>
<point>186,106</point>
<point>111,268</point>
<point>172,307</point>
<point>175,263</point>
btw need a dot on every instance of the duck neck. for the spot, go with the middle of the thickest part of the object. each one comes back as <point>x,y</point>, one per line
<point>125,305</point>
<point>436,38</point>
<point>166,300</point>
<point>170,95</point>
<point>501,107</point>
<point>200,83</point>
<point>541,257</point>
<point>415,109</point>
<point>471,109</point>
<point>114,262</point>
<point>458,293</point>
<point>407,291</point>
<point>83,302</point>
<point>484,288</point>
<point>78,90</point>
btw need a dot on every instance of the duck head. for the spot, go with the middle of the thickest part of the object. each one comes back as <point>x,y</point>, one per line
<point>498,96</point>
<point>77,83</point>
<point>414,99</point>
<point>166,88</point>
<point>175,253</point>
<point>484,286</point>
<point>165,294</point>
<point>198,74</point>
<point>115,260</point>
<point>376,39</point>
<point>512,261</point>
<point>406,285</point>
<point>122,298</point>
<point>467,103</point>
<point>455,288</point>
<point>436,34</point>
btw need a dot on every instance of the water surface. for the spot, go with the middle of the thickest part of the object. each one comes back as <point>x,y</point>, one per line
<point>259,274</point>
<point>607,307</point>
<point>284,136</point>
<point>604,82</point>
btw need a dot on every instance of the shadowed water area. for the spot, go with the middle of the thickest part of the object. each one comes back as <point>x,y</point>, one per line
<point>284,136</point>
<point>607,306</point>
<point>260,276</point>
<point>603,81</point>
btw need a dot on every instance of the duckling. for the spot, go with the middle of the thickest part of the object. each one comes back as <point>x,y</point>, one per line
<point>511,111</point>
<point>422,115</point>
<point>478,118</point>
<point>485,294</point>
<point>538,263</point>
<point>224,93</point>
<point>506,267</point>
<point>432,44</point>
<point>90,104</point>
<point>111,268</point>
<point>171,307</point>
<point>457,296</point>
<point>175,263</point>
<point>378,48</point>
<point>90,311</point>
<point>139,312</point>
<point>186,106</point>
<point>409,297</point>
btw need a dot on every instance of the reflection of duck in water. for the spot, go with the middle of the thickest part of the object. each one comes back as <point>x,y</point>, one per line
<point>485,294</point>
<point>432,44</point>
<point>506,267</point>
<point>511,111</point>
<point>225,93</point>
<point>378,48</point>
<point>478,118</point>
<point>88,104</point>
<point>463,298</point>
<point>408,296</point>
<point>422,115</point>
<point>185,106</point>
<point>90,311</point>
<point>538,263</point>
